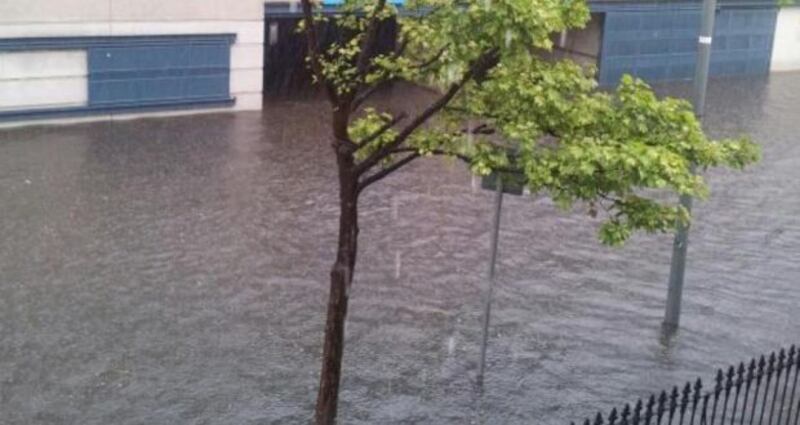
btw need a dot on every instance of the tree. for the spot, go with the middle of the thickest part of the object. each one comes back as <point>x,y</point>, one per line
<point>498,92</point>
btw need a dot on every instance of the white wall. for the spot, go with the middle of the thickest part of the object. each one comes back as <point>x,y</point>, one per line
<point>43,79</point>
<point>58,18</point>
<point>786,50</point>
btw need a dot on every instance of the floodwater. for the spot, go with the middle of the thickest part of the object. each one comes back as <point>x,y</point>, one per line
<point>174,271</point>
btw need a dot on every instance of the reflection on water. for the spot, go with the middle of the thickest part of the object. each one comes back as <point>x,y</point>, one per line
<point>175,271</point>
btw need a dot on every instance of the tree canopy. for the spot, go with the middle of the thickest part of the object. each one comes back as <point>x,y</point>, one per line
<point>573,141</point>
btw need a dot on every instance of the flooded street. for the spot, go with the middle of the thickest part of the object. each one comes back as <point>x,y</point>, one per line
<point>175,271</point>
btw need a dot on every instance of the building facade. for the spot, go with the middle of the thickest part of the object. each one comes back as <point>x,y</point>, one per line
<point>89,59</point>
<point>67,60</point>
<point>657,41</point>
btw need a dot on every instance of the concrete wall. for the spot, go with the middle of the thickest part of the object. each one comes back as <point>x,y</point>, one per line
<point>61,18</point>
<point>786,50</point>
<point>581,45</point>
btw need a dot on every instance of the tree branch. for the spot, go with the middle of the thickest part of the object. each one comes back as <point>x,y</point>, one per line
<point>312,41</point>
<point>370,38</point>
<point>360,98</point>
<point>414,154</point>
<point>432,60</point>
<point>363,96</point>
<point>380,175</point>
<point>400,48</point>
<point>389,124</point>
<point>437,152</point>
<point>483,64</point>
<point>464,158</point>
<point>481,129</point>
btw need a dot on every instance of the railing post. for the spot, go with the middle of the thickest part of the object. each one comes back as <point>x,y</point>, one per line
<point>662,406</point>
<point>625,413</point>
<point>738,385</point>
<point>794,384</point>
<point>727,388</point>
<point>778,374</point>
<point>612,418</point>
<point>751,374</point>
<point>648,413</point>
<point>770,371</point>
<point>796,371</point>
<point>788,366</point>
<point>673,403</point>
<point>698,388</point>
<point>637,413</point>
<point>687,390</point>
<point>717,392</point>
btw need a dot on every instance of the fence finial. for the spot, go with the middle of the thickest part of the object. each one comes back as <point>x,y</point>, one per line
<point>673,402</point>
<point>625,413</point>
<point>797,358</point>
<point>648,413</point>
<point>771,365</point>
<point>599,419</point>
<point>698,392</point>
<point>687,389</point>
<point>740,375</point>
<point>751,370</point>
<point>612,418</point>
<point>662,405</point>
<point>781,358</point>
<point>762,362</point>
<point>729,378</point>
<point>637,413</point>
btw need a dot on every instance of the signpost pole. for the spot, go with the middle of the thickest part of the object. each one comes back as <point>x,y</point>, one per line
<point>487,307</point>
<point>678,266</point>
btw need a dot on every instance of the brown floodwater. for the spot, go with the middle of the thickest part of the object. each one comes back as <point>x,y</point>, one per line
<point>174,271</point>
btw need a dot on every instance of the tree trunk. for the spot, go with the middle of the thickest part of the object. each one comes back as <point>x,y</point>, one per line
<point>341,279</point>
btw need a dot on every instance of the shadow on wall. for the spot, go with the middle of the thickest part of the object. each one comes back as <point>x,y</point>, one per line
<point>285,71</point>
<point>287,75</point>
<point>581,45</point>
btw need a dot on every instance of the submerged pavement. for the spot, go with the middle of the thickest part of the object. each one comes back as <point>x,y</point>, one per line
<point>175,271</point>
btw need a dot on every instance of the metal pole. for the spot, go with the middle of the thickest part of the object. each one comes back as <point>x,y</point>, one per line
<point>487,307</point>
<point>678,266</point>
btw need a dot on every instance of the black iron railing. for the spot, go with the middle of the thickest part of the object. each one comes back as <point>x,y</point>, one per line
<point>761,392</point>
